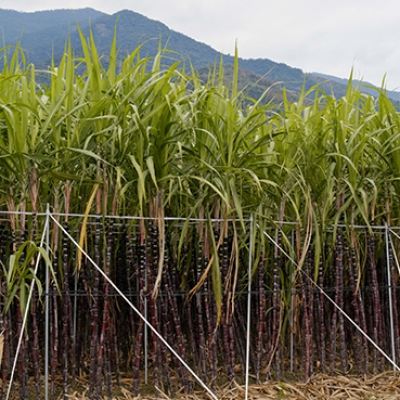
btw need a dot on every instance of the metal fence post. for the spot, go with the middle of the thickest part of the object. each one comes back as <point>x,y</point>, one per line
<point>392,339</point>
<point>47,302</point>
<point>249,306</point>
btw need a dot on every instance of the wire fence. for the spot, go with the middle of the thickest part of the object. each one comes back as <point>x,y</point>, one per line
<point>94,271</point>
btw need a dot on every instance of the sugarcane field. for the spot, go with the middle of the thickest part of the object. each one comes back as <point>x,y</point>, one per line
<point>166,237</point>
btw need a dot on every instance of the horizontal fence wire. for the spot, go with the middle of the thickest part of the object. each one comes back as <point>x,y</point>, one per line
<point>247,219</point>
<point>186,294</point>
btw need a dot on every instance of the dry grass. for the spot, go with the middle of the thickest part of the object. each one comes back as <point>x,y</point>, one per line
<point>384,386</point>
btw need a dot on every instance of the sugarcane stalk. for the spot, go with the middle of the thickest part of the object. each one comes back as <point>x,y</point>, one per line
<point>103,351</point>
<point>211,341</point>
<point>35,330</point>
<point>276,306</point>
<point>130,267</point>
<point>139,331</point>
<point>261,317</point>
<point>377,309</point>
<point>363,320</point>
<point>307,318</point>
<point>100,350</point>
<point>200,315</point>
<point>190,318</point>
<point>164,322</point>
<point>358,351</point>
<point>152,259</point>
<point>166,331</point>
<point>21,357</point>
<point>115,347</point>
<point>5,354</point>
<point>392,281</point>
<point>321,317</point>
<point>23,352</point>
<point>361,346</point>
<point>339,301</point>
<point>108,352</point>
<point>109,313</point>
<point>66,301</point>
<point>226,316</point>
<point>54,332</point>
<point>35,345</point>
<point>177,325</point>
<point>94,311</point>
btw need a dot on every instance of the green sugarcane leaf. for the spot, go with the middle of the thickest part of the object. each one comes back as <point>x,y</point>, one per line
<point>141,179</point>
<point>150,166</point>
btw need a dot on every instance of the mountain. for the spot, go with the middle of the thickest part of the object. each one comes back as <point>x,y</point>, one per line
<point>17,25</point>
<point>43,36</point>
<point>366,87</point>
<point>38,32</point>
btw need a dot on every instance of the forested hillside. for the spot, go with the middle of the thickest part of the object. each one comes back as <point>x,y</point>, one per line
<point>43,36</point>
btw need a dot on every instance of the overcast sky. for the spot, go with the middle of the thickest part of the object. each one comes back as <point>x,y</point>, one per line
<point>315,35</point>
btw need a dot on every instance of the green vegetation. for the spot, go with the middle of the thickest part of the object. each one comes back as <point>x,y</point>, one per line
<point>192,161</point>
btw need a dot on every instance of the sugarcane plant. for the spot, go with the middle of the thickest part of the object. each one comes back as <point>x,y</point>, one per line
<point>154,173</point>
